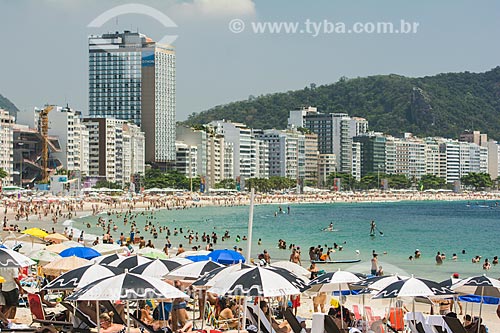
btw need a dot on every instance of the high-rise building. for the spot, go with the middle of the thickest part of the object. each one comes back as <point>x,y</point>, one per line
<point>335,132</point>
<point>116,150</point>
<point>7,145</point>
<point>132,78</point>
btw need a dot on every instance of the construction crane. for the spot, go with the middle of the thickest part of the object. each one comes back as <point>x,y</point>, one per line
<point>44,120</point>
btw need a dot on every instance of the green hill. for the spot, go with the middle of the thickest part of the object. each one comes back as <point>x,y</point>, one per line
<point>442,105</point>
<point>8,105</point>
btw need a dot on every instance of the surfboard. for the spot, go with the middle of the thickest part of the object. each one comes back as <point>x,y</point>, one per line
<point>345,261</point>
<point>329,230</point>
<point>372,234</point>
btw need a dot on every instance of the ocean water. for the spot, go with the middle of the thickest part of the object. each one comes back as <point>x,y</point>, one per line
<point>430,226</point>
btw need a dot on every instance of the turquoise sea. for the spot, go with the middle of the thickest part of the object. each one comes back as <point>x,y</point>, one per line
<point>430,226</point>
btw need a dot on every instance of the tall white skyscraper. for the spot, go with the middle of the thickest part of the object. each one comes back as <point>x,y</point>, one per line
<point>131,77</point>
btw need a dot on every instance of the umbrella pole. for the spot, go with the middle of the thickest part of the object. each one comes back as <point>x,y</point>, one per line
<point>480,310</point>
<point>128,317</point>
<point>258,313</point>
<point>204,299</point>
<point>98,315</point>
<point>340,304</point>
<point>365,326</point>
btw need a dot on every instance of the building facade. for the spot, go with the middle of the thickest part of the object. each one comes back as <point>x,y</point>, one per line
<point>133,78</point>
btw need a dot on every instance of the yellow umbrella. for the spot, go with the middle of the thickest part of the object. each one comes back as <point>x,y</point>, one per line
<point>64,265</point>
<point>56,238</point>
<point>2,279</point>
<point>35,232</point>
<point>56,248</point>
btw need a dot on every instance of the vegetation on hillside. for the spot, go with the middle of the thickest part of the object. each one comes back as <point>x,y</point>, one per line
<point>440,105</point>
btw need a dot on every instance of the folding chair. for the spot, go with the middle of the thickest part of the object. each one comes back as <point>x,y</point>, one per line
<point>39,316</point>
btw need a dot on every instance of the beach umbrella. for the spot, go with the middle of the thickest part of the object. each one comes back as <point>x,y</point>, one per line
<point>57,248</point>
<point>226,257</point>
<point>82,276</point>
<point>152,253</point>
<point>292,267</point>
<point>338,280</point>
<point>182,261</point>
<point>44,256</point>
<point>13,236</point>
<point>414,287</point>
<point>81,252</point>
<point>56,238</point>
<point>108,259</point>
<point>192,271</point>
<point>24,247</point>
<point>104,249</point>
<point>156,268</point>
<point>256,281</point>
<point>64,265</point>
<point>478,285</point>
<point>333,281</point>
<point>198,258</point>
<point>35,232</point>
<point>376,283</point>
<point>193,253</point>
<point>129,262</point>
<point>126,287</point>
<point>72,243</point>
<point>10,258</point>
<point>209,279</point>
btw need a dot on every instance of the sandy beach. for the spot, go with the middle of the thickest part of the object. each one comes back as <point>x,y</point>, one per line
<point>50,213</point>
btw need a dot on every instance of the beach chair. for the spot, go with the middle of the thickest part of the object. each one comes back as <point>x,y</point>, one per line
<point>117,318</point>
<point>265,325</point>
<point>292,321</point>
<point>355,310</point>
<point>332,327</point>
<point>455,325</point>
<point>417,324</point>
<point>141,323</point>
<point>39,316</point>
<point>369,315</point>
<point>86,323</point>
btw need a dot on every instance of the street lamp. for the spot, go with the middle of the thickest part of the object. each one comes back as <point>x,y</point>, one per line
<point>21,144</point>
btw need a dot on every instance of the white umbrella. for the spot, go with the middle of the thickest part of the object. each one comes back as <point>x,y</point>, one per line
<point>208,280</point>
<point>338,280</point>
<point>44,256</point>
<point>478,285</point>
<point>292,267</point>
<point>193,253</point>
<point>82,276</point>
<point>24,247</point>
<point>72,243</point>
<point>109,248</point>
<point>256,281</point>
<point>192,271</point>
<point>126,287</point>
<point>157,268</point>
<point>10,258</point>
<point>130,262</point>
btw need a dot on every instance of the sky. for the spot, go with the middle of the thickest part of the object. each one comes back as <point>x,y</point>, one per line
<point>44,50</point>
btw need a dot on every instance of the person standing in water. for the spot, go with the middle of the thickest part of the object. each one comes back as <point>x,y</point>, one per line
<point>372,227</point>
